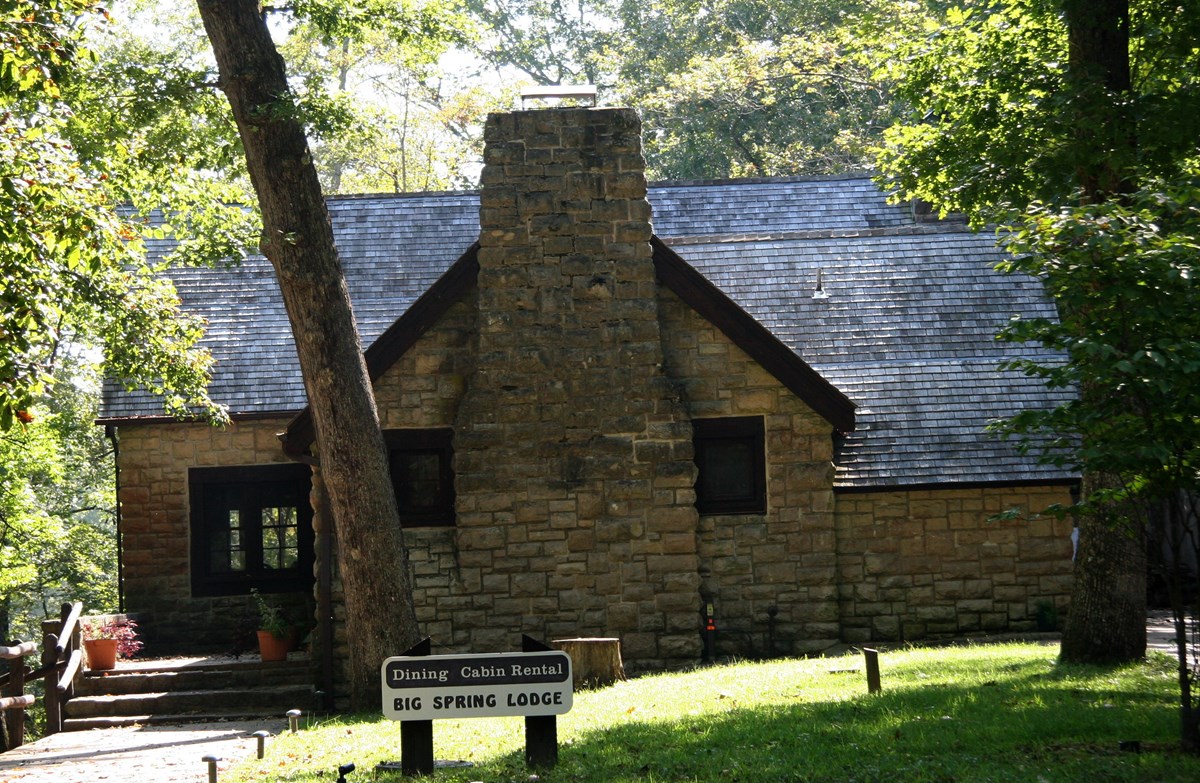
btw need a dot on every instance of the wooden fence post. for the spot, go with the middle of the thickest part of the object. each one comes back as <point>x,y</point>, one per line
<point>50,689</point>
<point>541,731</point>
<point>873,683</point>
<point>416,736</point>
<point>16,718</point>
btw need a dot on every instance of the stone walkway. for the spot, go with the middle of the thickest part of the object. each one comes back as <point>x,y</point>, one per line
<point>141,754</point>
<point>174,753</point>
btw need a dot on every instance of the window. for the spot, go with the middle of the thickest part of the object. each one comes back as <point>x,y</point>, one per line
<point>422,475</point>
<point>730,457</point>
<point>251,528</point>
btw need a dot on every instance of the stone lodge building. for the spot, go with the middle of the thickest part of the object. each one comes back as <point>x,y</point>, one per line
<point>609,405</point>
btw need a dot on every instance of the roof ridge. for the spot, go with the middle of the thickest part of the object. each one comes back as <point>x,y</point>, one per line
<point>684,183</point>
<point>905,229</point>
<point>864,174</point>
<point>384,196</point>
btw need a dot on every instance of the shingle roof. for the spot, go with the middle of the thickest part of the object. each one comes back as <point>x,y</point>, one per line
<point>905,330</point>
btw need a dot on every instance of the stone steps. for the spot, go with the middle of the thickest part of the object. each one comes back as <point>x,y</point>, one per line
<point>188,691</point>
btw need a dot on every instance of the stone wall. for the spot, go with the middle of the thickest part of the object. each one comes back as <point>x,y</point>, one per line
<point>573,456</point>
<point>930,563</point>
<point>770,576</point>
<point>153,462</point>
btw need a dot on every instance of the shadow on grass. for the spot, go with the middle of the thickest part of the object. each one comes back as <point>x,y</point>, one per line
<point>1029,723</point>
<point>942,733</point>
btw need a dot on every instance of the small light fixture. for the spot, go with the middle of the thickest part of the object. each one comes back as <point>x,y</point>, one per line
<point>820,292</point>
<point>211,761</point>
<point>261,736</point>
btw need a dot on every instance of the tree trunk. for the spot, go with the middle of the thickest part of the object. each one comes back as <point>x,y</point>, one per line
<point>1107,618</point>
<point>594,662</point>
<point>1099,75</point>
<point>298,240</point>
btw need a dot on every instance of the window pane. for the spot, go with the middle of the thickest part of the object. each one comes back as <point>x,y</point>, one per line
<point>280,533</point>
<point>727,470</point>
<point>730,458</point>
<point>225,544</point>
<point>421,484</point>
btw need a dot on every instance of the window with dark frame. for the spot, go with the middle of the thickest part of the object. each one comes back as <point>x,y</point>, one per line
<point>422,465</point>
<point>251,528</point>
<point>731,461</point>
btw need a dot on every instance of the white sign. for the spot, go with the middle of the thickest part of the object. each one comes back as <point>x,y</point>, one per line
<point>429,687</point>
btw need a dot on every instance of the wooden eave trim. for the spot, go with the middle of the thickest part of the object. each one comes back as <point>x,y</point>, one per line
<point>752,337</point>
<point>140,421</point>
<point>397,338</point>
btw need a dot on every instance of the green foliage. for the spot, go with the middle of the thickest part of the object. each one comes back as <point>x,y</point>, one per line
<point>71,267</point>
<point>270,616</point>
<point>726,88</point>
<point>419,26</point>
<point>752,88</point>
<point>989,713</point>
<point>1125,276</point>
<point>1026,113</point>
<point>379,115</point>
<point>987,121</point>
<point>146,121</point>
<point>995,121</point>
<point>57,507</point>
<point>800,104</point>
<point>996,132</point>
<point>553,42</point>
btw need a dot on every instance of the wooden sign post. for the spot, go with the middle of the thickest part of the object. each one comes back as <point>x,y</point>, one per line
<point>419,688</point>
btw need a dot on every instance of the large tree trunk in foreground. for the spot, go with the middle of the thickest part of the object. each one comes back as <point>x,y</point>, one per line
<point>1107,618</point>
<point>298,240</point>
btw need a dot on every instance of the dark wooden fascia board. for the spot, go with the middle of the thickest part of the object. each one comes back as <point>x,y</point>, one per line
<point>752,337</point>
<point>927,486</point>
<point>397,338</point>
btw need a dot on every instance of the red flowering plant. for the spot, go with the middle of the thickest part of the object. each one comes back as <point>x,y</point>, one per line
<point>124,631</point>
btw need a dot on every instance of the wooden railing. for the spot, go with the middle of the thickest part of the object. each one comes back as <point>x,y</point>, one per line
<point>13,698</point>
<point>62,659</point>
<point>62,662</point>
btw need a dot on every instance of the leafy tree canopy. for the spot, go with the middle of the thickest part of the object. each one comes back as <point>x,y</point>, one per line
<point>726,88</point>
<point>992,123</point>
<point>57,510</point>
<point>70,258</point>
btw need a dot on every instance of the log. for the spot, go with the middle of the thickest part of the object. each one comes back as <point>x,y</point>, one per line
<point>595,662</point>
<point>16,702</point>
<point>18,650</point>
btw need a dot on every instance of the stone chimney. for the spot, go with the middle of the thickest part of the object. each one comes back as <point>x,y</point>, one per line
<point>573,454</point>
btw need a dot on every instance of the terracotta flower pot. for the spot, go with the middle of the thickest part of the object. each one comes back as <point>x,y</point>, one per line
<point>101,653</point>
<point>272,647</point>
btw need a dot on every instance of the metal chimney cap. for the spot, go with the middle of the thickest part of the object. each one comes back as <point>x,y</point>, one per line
<point>560,91</point>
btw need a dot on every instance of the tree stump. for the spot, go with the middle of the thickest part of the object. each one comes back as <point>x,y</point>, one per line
<point>595,662</point>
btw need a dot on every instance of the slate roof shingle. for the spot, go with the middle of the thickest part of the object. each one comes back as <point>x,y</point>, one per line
<point>906,330</point>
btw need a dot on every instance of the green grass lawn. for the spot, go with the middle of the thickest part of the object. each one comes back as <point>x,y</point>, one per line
<point>987,713</point>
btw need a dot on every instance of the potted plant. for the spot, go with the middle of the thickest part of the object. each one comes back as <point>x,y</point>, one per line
<point>274,631</point>
<point>108,640</point>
